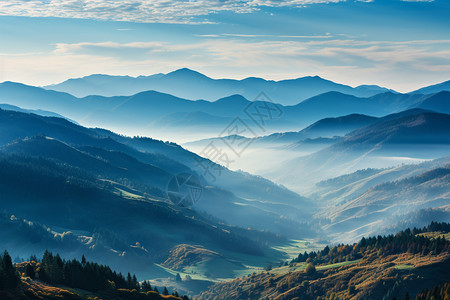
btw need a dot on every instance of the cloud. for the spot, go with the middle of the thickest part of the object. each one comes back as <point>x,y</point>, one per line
<point>62,48</point>
<point>145,11</point>
<point>402,65</point>
<point>221,35</point>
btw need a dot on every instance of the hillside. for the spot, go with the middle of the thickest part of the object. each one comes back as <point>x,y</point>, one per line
<point>54,278</point>
<point>388,203</point>
<point>375,268</point>
<point>421,135</point>
<point>147,165</point>
<point>349,186</point>
<point>109,199</point>
<point>435,88</point>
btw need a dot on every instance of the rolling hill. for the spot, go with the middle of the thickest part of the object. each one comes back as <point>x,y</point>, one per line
<point>381,267</point>
<point>412,134</point>
<point>79,190</point>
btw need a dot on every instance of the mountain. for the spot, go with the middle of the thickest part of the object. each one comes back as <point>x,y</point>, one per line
<point>281,147</point>
<point>189,84</point>
<point>33,111</point>
<point>148,164</point>
<point>150,113</point>
<point>389,203</point>
<point>437,102</point>
<point>90,191</point>
<point>278,147</point>
<point>413,134</point>
<point>444,86</point>
<point>341,189</point>
<point>325,128</point>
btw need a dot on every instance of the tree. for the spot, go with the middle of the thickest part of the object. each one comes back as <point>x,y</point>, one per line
<point>351,289</point>
<point>129,281</point>
<point>9,278</point>
<point>165,292</point>
<point>310,269</point>
<point>135,283</point>
<point>29,271</point>
<point>178,277</point>
<point>146,286</point>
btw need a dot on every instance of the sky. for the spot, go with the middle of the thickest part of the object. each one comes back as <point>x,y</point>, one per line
<point>399,44</point>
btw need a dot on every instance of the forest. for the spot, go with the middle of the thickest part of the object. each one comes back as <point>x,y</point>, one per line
<point>85,275</point>
<point>409,241</point>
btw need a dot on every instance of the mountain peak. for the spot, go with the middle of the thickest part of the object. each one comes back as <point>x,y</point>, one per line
<point>186,72</point>
<point>232,99</point>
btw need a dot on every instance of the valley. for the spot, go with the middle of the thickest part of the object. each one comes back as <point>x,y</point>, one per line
<point>222,207</point>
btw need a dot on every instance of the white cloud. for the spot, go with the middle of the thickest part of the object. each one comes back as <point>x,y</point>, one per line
<point>62,48</point>
<point>400,65</point>
<point>167,11</point>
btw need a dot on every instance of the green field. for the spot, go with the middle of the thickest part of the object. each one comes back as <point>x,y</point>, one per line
<point>337,265</point>
<point>294,247</point>
<point>404,267</point>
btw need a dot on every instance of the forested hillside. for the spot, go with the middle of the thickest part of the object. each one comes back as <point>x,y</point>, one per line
<point>381,267</point>
<point>54,278</point>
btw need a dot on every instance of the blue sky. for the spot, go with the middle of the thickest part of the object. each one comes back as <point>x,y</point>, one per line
<point>398,44</point>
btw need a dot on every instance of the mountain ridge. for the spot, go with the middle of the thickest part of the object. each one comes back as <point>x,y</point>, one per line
<point>287,91</point>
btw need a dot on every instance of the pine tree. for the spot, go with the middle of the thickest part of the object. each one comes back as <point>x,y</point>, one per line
<point>165,292</point>
<point>129,281</point>
<point>9,278</point>
<point>29,271</point>
<point>135,283</point>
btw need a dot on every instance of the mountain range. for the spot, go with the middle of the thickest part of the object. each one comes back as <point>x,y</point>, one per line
<point>192,85</point>
<point>333,164</point>
<point>166,116</point>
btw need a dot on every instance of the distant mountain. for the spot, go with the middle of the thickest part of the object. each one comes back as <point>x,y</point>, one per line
<point>147,165</point>
<point>33,111</point>
<point>106,195</point>
<point>389,203</point>
<point>350,186</point>
<point>414,134</point>
<point>444,86</point>
<point>325,128</point>
<point>311,139</point>
<point>438,102</point>
<point>150,113</point>
<point>189,84</point>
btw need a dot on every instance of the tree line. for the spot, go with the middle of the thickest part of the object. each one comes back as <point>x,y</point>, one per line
<point>9,278</point>
<point>405,241</point>
<point>54,270</point>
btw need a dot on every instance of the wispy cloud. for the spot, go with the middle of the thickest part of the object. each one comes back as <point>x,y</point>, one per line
<point>238,35</point>
<point>62,48</point>
<point>398,65</point>
<point>166,11</point>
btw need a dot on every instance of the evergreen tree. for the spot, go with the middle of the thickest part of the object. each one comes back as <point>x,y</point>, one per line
<point>135,283</point>
<point>9,278</point>
<point>29,271</point>
<point>165,291</point>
